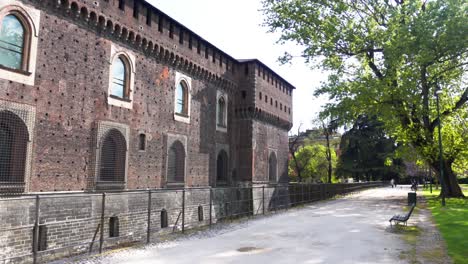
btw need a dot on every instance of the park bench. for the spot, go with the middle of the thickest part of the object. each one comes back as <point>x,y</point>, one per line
<point>402,218</point>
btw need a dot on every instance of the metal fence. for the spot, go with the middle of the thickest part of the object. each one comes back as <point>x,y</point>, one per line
<point>43,227</point>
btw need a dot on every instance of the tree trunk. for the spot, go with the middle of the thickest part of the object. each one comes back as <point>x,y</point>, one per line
<point>452,189</point>
<point>328,153</point>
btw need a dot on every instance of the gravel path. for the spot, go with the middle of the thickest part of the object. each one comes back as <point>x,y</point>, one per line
<point>352,229</point>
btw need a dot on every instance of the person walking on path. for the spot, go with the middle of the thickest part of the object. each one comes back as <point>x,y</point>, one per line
<point>392,182</point>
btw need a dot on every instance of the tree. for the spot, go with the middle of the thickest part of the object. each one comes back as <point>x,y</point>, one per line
<point>387,58</point>
<point>312,158</point>
<point>296,166</point>
<point>367,150</point>
<point>328,128</point>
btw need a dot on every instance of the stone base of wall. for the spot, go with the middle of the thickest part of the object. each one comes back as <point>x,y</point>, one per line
<point>70,223</point>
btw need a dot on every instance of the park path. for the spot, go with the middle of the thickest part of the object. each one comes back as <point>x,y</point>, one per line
<point>352,229</point>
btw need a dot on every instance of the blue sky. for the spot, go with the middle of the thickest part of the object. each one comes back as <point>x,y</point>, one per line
<point>234,26</point>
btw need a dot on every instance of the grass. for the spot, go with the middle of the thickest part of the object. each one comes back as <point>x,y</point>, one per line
<point>452,222</point>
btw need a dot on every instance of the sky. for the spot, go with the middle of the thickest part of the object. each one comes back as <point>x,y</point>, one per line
<point>235,27</point>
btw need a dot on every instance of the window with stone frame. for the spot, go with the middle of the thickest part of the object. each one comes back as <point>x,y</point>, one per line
<point>182,99</point>
<point>176,163</point>
<point>141,142</point>
<point>15,34</point>
<point>120,86</point>
<point>221,118</point>
<point>112,158</point>
<point>14,139</point>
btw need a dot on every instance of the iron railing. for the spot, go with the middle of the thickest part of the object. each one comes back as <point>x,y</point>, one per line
<point>43,227</point>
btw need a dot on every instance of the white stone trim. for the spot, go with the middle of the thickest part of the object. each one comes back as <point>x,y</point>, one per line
<point>32,17</point>
<point>178,78</point>
<point>220,94</point>
<point>115,52</point>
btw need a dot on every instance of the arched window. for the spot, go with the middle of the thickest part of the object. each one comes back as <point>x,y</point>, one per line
<point>14,139</point>
<point>182,99</point>
<point>13,42</point>
<point>272,167</point>
<point>113,157</point>
<point>221,112</point>
<point>222,167</point>
<point>176,163</point>
<point>120,78</point>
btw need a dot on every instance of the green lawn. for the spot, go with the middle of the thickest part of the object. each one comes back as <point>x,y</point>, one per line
<point>452,222</point>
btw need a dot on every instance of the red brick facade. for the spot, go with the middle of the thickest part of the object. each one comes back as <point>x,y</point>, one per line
<point>68,110</point>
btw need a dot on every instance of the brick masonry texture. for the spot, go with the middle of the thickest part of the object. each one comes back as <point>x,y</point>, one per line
<point>70,99</point>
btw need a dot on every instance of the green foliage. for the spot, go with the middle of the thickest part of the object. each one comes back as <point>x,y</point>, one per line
<point>366,151</point>
<point>387,59</point>
<point>452,221</point>
<point>313,159</point>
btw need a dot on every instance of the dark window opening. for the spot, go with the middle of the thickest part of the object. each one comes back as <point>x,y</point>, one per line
<point>42,239</point>
<point>113,226</point>
<point>276,104</point>
<point>198,47</point>
<point>122,4</point>
<point>200,213</point>
<point>260,95</point>
<point>171,30</point>
<point>222,167</point>
<point>266,99</point>
<point>244,94</point>
<point>160,24</point>
<point>206,53</point>
<point>142,142</point>
<point>289,110</point>
<point>190,42</point>
<point>181,36</point>
<point>281,106</point>
<point>272,167</point>
<point>136,9</point>
<point>148,16</point>
<point>214,56</point>
<point>220,60</point>
<point>246,70</point>
<point>164,223</point>
<point>271,101</point>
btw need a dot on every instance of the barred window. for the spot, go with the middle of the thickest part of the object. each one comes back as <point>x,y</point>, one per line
<point>272,165</point>
<point>14,138</point>
<point>176,163</point>
<point>113,157</point>
<point>222,167</point>
<point>142,142</point>
<point>14,37</point>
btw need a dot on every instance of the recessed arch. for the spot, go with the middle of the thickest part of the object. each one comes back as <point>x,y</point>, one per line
<point>176,163</point>
<point>222,163</point>
<point>112,163</point>
<point>14,138</point>
<point>272,167</point>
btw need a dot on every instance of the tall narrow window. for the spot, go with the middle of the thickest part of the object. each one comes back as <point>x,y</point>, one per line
<point>14,138</point>
<point>222,167</point>
<point>120,78</point>
<point>272,167</point>
<point>182,99</point>
<point>160,23</point>
<point>12,43</point>
<point>163,219</point>
<point>181,36</point>
<point>171,30</point>
<point>200,213</point>
<point>148,16</point>
<point>122,4</point>
<point>113,157</point>
<point>113,226</point>
<point>142,142</point>
<point>221,112</point>
<point>176,163</point>
<point>136,9</point>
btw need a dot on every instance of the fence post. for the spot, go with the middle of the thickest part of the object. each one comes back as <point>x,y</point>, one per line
<point>36,231</point>
<point>103,209</point>
<point>211,205</point>
<point>148,230</point>
<point>183,210</point>
<point>263,199</point>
